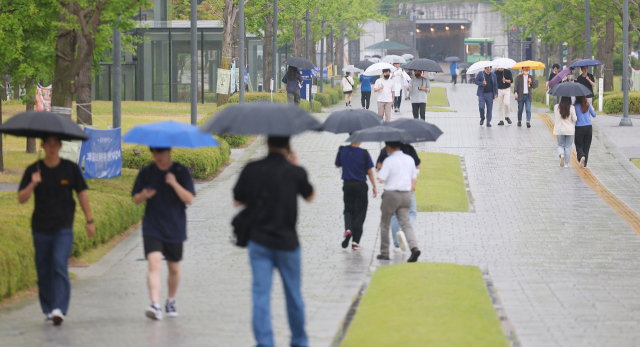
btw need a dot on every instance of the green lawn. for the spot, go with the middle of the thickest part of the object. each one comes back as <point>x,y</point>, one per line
<point>437,97</point>
<point>636,162</point>
<point>426,304</point>
<point>438,109</point>
<point>441,184</point>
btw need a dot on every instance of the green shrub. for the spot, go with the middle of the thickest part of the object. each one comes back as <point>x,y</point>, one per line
<point>324,98</point>
<point>202,162</point>
<point>234,141</point>
<point>613,103</point>
<point>277,97</point>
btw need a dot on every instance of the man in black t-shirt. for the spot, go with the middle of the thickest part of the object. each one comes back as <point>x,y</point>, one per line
<point>587,80</point>
<point>271,187</point>
<point>53,181</point>
<point>167,188</point>
<point>504,94</point>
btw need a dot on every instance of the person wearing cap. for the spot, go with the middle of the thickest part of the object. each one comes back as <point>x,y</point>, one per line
<point>272,186</point>
<point>487,83</point>
<point>523,90</point>
<point>167,188</point>
<point>52,181</point>
<point>385,88</point>
<point>504,94</point>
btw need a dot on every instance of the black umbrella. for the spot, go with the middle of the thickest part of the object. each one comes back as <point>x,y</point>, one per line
<point>41,124</point>
<point>349,121</point>
<point>569,89</point>
<point>363,64</point>
<point>376,56</point>
<point>261,118</point>
<point>464,65</point>
<point>424,65</point>
<point>300,63</point>
<point>380,133</point>
<point>419,130</point>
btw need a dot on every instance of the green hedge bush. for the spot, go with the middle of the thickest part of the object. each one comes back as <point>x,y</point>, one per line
<point>613,102</point>
<point>277,97</point>
<point>323,98</point>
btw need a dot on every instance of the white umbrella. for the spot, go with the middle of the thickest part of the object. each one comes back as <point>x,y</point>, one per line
<point>350,68</point>
<point>407,56</point>
<point>393,59</point>
<point>478,66</point>
<point>503,63</point>
<point>376,69</point>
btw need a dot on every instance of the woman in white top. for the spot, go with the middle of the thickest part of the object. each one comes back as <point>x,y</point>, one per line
<point>347,88</point>
<point>564,129</point>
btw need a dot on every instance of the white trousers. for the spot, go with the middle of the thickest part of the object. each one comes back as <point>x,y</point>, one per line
<point>504,98</point>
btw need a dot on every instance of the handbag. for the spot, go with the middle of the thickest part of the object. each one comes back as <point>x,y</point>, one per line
<point>457,71</point>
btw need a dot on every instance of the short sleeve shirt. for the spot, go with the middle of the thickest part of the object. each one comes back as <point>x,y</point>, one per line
<point>398,170</point>
<point>384,95</point>
<point>366,83</point>
<point>352,161</point>
<point>278,182</point>
<point>585,82</point>
<point>54,204</point>
<point>165,216</point>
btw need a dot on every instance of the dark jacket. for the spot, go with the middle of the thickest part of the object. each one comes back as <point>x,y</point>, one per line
<point>293,86</point>
<point>519,86</point>
<point>480,79</point>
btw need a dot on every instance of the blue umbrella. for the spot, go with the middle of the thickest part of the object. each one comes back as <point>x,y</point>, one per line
<point>586,62</point>
<point>452,59</point>
<point>169,134</point>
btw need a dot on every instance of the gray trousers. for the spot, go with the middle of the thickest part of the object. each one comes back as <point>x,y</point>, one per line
<point>400,204</point>
<point>294,98</point>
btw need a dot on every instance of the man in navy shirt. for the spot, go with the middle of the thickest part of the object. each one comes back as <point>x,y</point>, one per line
<point>365,90</point>
<point>167,188</point>
<point>356,164</point>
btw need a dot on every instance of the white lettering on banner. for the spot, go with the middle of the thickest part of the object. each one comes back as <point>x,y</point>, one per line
<point>103,157</point>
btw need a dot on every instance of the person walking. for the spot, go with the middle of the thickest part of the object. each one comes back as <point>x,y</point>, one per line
<point>504,78</point>
<point>463,76</point>
<point>418,89</point>
<point>386,94</point>
<point>293,79</point>
<point>523,90</point>
<point>272,186</point>
<point>487,83</point>
<point>53,181</point>
<point>552,74</point>
<point>399,175</point>
<point>347,88</point>
<point>399,80</point>
<point>454,68</point>
<point>167,188</point>
<point>365,90</point>
<point>356,165</point>
<point>564,129</point>
<point>587,80</point>
<point>584,131</point>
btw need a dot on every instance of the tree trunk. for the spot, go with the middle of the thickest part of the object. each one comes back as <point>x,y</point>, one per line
<point>607,56</point>
<point>83,96</point>
<point>16,89</point>
<point>313,52</point>
<point>3,90</point>
<point>29,89</point>
<point>298,38</point>
<point>63,82</point>
<point>229,41</point>
<point>268,50</point>
<point>1,153</point>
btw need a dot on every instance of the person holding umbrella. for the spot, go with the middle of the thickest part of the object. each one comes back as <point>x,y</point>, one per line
<point>487,83</point>
<point>454,68</point>
<point>347,88</point>
<point>564,129</point>
<point>552,74</point>
<point>525,83</point>
<point>584,131</point>
<point>587,80</point>
<point>504,90</point>
<point>399,80</point>
<point>386,94</point>
<point>294,80</point>
<point>419,87</point>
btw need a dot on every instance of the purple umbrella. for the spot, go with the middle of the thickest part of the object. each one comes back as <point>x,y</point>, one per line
<point>562,74</point>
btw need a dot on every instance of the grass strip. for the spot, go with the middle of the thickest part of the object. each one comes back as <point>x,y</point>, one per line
<point>438,109</point>
<point>437,97</point>
<point>426,304</point>
<point>441,185</point>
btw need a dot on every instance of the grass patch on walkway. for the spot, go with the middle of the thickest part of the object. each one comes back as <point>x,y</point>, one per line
<point>636,162</point>
<point>426,304</point>
<point>437,97</point>
<point>441,184</point>
<point>438,109</point>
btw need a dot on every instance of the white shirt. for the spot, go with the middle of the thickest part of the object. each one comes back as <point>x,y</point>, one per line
<point>397,172</point>
<point>384,95</point>
<point>525,79</point>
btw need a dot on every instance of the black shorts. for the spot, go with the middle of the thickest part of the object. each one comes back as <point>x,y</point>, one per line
<point>347,93</point>
<point>171,251</point>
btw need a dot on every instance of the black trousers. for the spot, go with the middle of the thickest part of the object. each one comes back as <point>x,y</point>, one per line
<point>419,106</point>
<point>454,79</point>
<point>365,99</point>
<point>356,201</point>
<point>464,79</point>
<point>583,141</point>
<point>398,100</point>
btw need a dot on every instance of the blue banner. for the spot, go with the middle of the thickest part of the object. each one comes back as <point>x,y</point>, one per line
<point>306,84</point>
<point>325,72</point>
<point>102,153</point>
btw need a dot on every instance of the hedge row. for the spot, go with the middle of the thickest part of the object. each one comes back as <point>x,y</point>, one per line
<point>277,97</point>
<point>113,209</point>
<point>613,102</point>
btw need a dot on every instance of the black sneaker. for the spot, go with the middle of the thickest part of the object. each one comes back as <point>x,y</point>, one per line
<point>481,121</point>
<point>347,238</point>
<point>170,308</point>
<point>488,125</point>
<point>508,120</point>
<point>383,257</point>
<point>528,125</point>
<point>519,123</point>
<point>415,253</point>
<point>501,123</point>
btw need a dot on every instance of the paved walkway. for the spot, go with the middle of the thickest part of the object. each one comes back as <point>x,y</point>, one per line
<point>564,264</point>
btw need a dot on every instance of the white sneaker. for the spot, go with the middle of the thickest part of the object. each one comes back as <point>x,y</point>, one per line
<point>57,316</point>
<point>154,312</point>
<point>397,250</point>
<point>562,160</point>
<point>582,162</point>
<point>403,241</point>
<point>566,165</point>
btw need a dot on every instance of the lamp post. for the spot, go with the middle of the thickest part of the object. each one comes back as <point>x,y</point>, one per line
<point>587,17</point>
<point>117,78</point>
<point>306,40</point>
<point>321,56</point>
<point>625,121</point>
<point>240,51</point>
<point>274,69</point>
<point>194,62</point>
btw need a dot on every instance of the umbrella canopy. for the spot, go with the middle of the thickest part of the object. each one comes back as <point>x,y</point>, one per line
<point>363,64</point>
<point>393,59</point>
<point>407,56</point>
<point>479,66</point>
<point>559,77</point>
<point>169,134</point>
<point>300,63</point>
<point>374,60</point>
<point>261,118</point>
<point>42,124</point>
<point>387,45</point>
<point>464,65</point>
<point>350,120</point>
<point>586,62</point>
<point>570,89</point>
<point>376,69</point>
<point>419,130</point>
<point>452,59</point>
<point>350,68</point>
<point>380,133</point>
<point>534,65</point>
<point>503,63</point>
<point>424,65</point>
<point>376,56</point>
